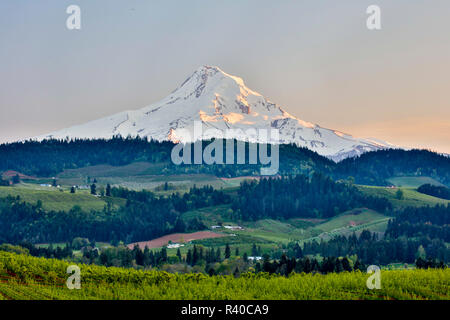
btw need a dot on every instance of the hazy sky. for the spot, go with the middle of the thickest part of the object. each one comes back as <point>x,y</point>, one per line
<point>315,58</point>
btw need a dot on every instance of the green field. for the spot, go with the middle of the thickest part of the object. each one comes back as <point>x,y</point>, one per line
<point>141,175</point>
<point>53,199</point>
<point>413,182</point>
<point>283,232</point>
<point>411,197</point>
<point>210,216</point>
<point>29,278</point>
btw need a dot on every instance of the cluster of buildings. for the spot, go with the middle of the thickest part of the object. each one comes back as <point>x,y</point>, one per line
<point>227,227</point>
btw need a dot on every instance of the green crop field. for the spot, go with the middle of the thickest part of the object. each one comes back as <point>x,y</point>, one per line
<point>140,175</point>
<point>303,229</point>
<point>29,278</point>
<point>53,199</point>
<point>353,217</point>
<point>211,215</point>
<point>413,182</point>
<point>411,198</point>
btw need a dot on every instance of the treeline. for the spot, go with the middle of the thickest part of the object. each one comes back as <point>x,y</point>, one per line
<point>144,216</point>
<point>285,266</point>
<point>430,222</point>
<point>211,261</point>
<point>372,250</point>
<point>50,157</point>
<point>435,191</point>
<point>45,252</point>
<point>374,168</point>
<point>300,196</point>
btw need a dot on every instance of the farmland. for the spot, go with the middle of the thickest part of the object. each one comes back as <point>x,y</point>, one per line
<point>177,238</point>
<point>25,278</point>
<point>411,197</point>
<point>413,182</point>
<point>53,199</point>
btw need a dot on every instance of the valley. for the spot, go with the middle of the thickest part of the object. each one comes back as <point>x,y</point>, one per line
<point>148,215</point>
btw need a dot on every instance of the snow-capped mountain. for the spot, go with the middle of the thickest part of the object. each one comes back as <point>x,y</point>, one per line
<point>221,101</point>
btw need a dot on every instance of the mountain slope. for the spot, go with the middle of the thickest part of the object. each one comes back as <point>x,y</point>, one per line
<point>220,101</point>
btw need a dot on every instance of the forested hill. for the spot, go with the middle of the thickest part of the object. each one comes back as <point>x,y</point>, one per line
<point>50,157</point>
<point>301,197</point>
<point>373,168</point>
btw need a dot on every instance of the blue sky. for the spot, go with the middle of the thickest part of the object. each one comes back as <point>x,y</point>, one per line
<point>315,58</point>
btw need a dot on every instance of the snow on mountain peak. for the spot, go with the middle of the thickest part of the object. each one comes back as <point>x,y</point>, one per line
<point>219,101</point>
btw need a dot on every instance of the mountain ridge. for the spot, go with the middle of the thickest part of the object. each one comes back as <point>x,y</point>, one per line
<point>219,101</point>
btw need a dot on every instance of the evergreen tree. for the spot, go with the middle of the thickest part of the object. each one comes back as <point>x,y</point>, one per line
<point>298,251</point>
<point>254,250</point>
<point>108,190</point>
<point>93,189</point>
<point>227,251</point>
<point>218,255</point>
<point>195,255</point>
<point>346,264</point>
<point>338,266</point>
<point>147,260</point>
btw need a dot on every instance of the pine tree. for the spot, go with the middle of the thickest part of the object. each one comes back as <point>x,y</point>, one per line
<point>298,251</point>
<point>358,265</point>
<point>147,260</point>
<point>346,265</point>
<point>195,255</point>
<point>93,189</point>
<point>338,266</point>
<point>164,255</point>
<point>227,251</point>
<point>108,190</point>
<point>307,266</point>
<point>218,255</point>
<point>189,257</point>
<point>254,250</point>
